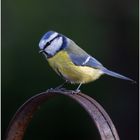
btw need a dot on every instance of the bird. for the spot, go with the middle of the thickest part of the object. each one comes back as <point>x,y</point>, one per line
<point>71,62</point>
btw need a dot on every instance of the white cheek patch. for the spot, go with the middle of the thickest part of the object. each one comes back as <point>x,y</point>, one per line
<point>43,41</point>
<point>54,46</point>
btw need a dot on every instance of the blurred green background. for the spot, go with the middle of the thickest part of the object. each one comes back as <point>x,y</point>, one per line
<point>108,30</point>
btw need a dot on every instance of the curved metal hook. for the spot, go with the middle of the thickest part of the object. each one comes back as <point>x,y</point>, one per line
<point>23,116</point>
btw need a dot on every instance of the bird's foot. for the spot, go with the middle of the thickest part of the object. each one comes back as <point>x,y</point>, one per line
<point>55,89</point>
<point>71,91</point>
<point>63,90</point>
<point>76,91</point>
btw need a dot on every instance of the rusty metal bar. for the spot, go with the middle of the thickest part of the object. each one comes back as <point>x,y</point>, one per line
<point>23,116</point>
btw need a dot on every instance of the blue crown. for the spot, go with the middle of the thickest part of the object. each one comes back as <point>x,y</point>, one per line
<point>47,35</point>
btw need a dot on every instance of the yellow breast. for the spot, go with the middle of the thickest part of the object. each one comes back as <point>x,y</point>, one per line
<point>62,64</point>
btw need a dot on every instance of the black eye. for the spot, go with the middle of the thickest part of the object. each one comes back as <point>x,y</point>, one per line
<point>48,43</point>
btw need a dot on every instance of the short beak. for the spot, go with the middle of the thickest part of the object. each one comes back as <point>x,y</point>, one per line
<point>41,51</point>
<point>44,53</point>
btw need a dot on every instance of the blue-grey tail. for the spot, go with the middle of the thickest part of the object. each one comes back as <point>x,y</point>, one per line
<point>117,75</point>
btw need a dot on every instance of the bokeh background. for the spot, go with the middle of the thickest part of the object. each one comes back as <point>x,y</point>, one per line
<point>108,30</point>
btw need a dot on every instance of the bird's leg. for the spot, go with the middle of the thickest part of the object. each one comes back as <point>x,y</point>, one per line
<point>60,86</point>
<point>77,89</point>
<point>57,88</point>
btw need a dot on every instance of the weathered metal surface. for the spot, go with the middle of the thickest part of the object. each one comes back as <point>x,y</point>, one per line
<point>23,116</point>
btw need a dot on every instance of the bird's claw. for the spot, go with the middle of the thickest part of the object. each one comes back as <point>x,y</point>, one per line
<point>55,89</point>
<point>71,91</point>
<point>63,90</point>
<point>75,91</point>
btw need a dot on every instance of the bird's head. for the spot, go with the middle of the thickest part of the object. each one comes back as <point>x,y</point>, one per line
<point>51,43</point>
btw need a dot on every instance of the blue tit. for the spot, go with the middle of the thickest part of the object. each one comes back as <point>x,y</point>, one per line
<point>71,62</point>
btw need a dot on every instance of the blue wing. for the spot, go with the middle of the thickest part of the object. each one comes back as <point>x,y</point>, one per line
<point>85,60</point>
<point>79,57</point>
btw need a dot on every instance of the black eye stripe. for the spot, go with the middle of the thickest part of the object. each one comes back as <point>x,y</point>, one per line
<point>48,43</point>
